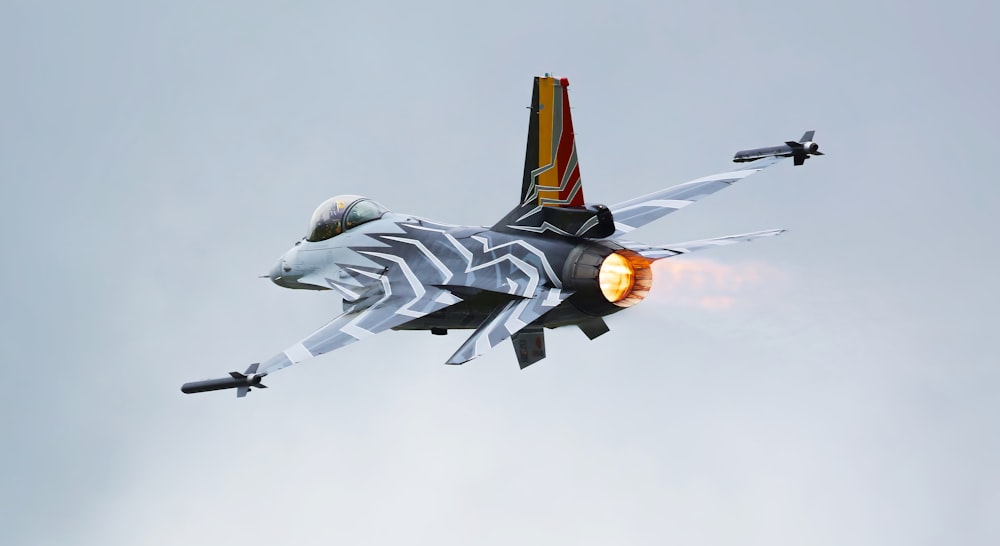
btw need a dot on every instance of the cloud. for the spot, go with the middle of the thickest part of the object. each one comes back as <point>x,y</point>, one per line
<point>711,285</point>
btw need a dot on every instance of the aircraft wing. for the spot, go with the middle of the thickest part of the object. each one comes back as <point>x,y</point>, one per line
<point>640,211</point>
<point>357,324</point>
<point>666,251</point>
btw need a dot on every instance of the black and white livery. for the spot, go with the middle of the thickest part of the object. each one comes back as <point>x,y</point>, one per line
<point>552,261</point>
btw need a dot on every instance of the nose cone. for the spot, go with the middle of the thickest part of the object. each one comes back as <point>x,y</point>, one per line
<point>279,274</point>
<point>286,275</point>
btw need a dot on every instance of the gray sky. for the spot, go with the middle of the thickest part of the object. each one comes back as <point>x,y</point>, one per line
<point>835,385</point>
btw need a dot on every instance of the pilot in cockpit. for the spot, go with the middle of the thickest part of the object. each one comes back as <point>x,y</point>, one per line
<point>341,213</point>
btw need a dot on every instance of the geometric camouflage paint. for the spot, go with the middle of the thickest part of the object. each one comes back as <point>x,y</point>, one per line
<point>552,261</point>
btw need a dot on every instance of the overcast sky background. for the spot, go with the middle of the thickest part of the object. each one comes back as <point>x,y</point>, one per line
<point>835,385</point>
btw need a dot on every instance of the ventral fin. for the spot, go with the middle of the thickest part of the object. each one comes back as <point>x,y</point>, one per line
<point>529,345</point>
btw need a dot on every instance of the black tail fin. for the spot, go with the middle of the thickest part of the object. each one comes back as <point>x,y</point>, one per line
<point>551,171</point>
<point>551,191</point>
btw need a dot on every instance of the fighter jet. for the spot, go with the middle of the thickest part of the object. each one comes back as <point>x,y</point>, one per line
<point>554,260</point>
<point>798,151</point>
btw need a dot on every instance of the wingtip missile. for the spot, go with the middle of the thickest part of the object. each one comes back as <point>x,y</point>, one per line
<point>242,382</point>
<point>799,151</point>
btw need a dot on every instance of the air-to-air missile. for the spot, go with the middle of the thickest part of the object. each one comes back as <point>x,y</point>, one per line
<point>236,380</point>
<point>798,151</point>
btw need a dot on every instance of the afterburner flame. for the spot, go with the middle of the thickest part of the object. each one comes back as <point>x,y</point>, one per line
<point>625,278</point>
<point>714,286</point>
<point>616,278</point>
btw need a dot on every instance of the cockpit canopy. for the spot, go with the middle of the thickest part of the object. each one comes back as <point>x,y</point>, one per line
<point>341,213</point>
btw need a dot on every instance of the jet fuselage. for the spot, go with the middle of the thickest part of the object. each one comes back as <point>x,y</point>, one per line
<point>483,267</point>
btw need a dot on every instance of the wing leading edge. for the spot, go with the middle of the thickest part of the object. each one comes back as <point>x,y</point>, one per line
<point>355,325</point>
<point>642,210</point>
<point>391,311</point>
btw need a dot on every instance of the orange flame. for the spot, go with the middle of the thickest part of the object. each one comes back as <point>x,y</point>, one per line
<point>710,285</point>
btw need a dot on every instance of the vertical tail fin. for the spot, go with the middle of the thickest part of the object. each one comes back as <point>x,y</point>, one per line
<point>551,170</point>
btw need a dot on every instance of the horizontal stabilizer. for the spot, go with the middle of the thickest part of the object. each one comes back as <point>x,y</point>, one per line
<point>666,251</point>
<point>507,320</point>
